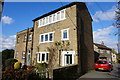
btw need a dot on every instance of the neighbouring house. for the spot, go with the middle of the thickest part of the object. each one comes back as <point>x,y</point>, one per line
<point>102,52</point>
<point>114,57</point>
<point>23,45</point>
<point>61,38</point>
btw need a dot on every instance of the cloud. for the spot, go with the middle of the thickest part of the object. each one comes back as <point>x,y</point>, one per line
<point>7,20</point>
<point>7,42</point>
<point>103,35</point>
<point>108,15</point>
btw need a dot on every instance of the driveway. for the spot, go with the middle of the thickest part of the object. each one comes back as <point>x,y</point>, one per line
<point>114,74</point>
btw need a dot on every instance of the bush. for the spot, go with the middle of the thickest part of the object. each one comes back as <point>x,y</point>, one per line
<point>17,65</point>
<point>41,66</point>
<point>20,75</point>
<point>9,63</point>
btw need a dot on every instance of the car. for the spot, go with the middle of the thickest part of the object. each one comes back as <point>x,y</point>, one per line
<point>103,65</point>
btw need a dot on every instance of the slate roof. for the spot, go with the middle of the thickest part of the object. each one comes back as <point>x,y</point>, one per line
<point>66,6</point>
<point>100,46</point>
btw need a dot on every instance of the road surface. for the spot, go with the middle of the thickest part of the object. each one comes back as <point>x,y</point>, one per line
<point>113,75</point>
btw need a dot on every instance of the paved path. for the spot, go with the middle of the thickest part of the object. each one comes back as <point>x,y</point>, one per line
<point>114,74</point>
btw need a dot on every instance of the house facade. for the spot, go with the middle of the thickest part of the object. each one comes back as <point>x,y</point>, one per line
<point>23,47</point>
<point>103,51</point>
<point>64,37</point>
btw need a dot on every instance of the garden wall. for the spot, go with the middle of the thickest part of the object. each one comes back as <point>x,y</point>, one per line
<point>66,73</point>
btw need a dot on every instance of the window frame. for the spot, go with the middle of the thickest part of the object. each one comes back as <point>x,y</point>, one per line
<point>23,55</point>
<point>39,57</point>
<point>62,34</point>
<point>48,34</point>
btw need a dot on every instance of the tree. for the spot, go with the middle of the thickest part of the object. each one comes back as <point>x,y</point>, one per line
<point>6,54</point>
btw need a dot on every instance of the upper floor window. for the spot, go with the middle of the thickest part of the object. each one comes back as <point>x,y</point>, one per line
<point>47,37</point>
<point>60,15</point>
<point>18,39</point>
<point>65,34</point>
<point>25,37</point>
<point>30,37</point>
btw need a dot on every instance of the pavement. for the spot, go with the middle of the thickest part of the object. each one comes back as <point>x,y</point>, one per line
<point>104,75</point>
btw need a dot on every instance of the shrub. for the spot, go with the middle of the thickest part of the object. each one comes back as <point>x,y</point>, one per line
<point>41,66</point>
<point>17,65</point>
<point>9,63</point>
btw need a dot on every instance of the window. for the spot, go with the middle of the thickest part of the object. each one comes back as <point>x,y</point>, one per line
<point>60,15</point>
<point>23,54</point>
<point>47,37</point>
<point>42,38</point>
<point>50,19</point>
<point>42,57</point>
<point>51,37</point>
<point>63,14</point>
<point>18,39</point>
<point>30,37</point>
<point>25,37</point>
<point>54,17</point>
<point>46,20</point>
<point>65,34</point>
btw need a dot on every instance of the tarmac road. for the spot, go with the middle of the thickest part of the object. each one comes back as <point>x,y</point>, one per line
<point>113,75</point>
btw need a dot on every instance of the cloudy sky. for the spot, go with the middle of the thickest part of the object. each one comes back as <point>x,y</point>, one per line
<point>18,16</point>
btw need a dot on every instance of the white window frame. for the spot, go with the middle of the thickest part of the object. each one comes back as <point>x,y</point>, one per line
<point>40,54</point>
<point>64,58</point>
<point>48,37</point>
<point>23,55</point>
<point>63,35</point>
<point>30,37</point>
<point>25,38</point>
<point>43,20</point>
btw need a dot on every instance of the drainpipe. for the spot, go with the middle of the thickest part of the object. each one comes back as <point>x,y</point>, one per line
<point>26,47</point>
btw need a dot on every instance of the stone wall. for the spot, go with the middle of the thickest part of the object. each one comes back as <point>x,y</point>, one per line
<point>66,73</point>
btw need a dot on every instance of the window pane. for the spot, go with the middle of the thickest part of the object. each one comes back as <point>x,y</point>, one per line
<point>54,17</point>
<point>62,14</point>
<point>43,57</point>
<point>39,56</point>
<point>68,59</point>
<point>46,37</point>
<point>58,16</point>
<point>64,34</point>
<point>51,37</point>
<point>50,19</point>
<point>42,38</point>
<point>47,56</point>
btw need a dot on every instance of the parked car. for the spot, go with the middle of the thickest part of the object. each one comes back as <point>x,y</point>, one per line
<point>103,65</point>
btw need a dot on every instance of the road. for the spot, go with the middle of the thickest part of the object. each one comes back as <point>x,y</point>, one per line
<point>114,74</point>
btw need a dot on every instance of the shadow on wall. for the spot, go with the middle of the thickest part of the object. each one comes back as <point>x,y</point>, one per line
<point>96,56</point>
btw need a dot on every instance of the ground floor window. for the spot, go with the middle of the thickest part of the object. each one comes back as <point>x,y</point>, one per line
<point>42,57</point>
<point>67,57</point>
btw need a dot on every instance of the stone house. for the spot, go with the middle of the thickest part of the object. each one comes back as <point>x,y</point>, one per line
<point>62,37</point>
<point>23,45</point>
<point>102,51</point>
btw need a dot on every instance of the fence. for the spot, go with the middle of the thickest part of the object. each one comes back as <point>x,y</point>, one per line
<point>44,74</point>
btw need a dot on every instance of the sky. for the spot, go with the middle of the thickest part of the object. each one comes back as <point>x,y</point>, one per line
<point>18,16</point>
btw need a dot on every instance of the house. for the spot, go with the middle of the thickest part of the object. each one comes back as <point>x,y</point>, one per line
<point>61,37</point>
<point>23,45</point>
<point>102,52</point>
